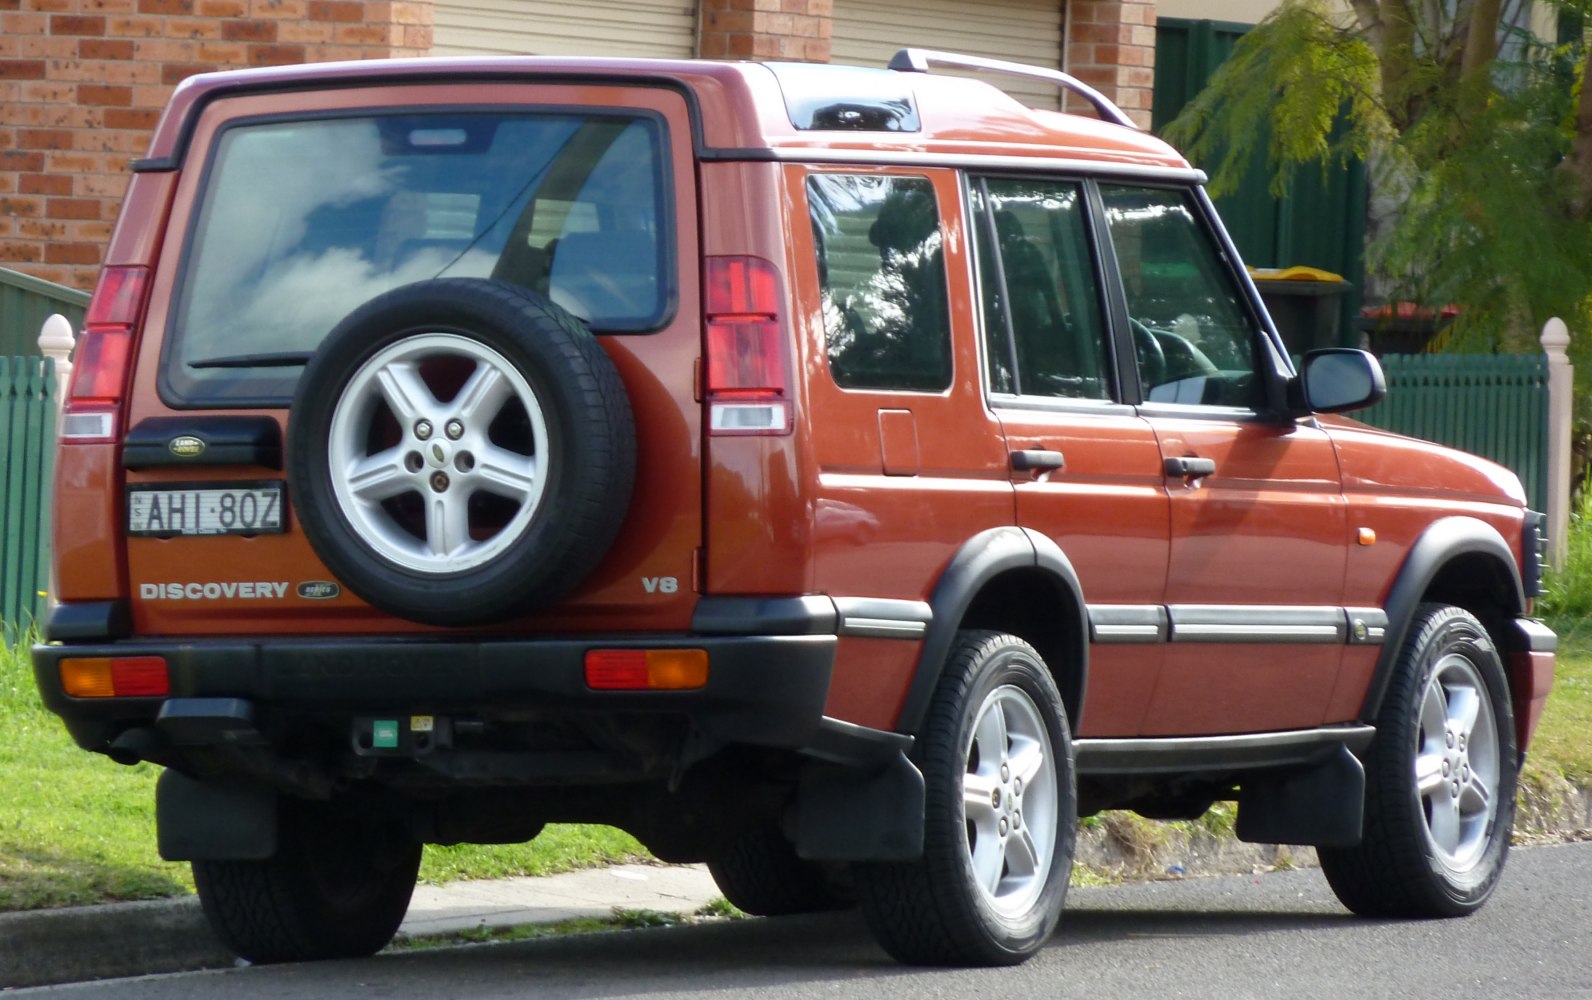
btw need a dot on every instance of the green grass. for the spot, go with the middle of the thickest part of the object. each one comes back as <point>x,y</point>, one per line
<point>77,828</point>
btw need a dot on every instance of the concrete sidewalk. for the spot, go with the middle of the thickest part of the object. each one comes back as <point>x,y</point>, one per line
<point>130,939</point>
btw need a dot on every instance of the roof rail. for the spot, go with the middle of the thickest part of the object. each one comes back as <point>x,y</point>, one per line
<point>919,60</point>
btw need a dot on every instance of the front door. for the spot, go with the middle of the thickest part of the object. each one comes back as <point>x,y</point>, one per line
<point>1258,528</point>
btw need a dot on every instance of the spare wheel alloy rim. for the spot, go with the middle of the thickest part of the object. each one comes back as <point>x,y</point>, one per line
<point>466,475</point>
<point>1009,801</point>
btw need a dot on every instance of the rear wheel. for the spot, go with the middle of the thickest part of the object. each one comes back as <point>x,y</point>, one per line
<point>1000,816</point>
<point>762,875</point>
<point>338,887</point>
<point>1440,779</point>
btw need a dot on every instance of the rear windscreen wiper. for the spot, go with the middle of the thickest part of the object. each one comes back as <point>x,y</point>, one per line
<point>280,359</point>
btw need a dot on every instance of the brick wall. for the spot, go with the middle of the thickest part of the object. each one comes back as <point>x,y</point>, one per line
<point>766,29</point>
<point>1111,47</point>
<point>83,81</point>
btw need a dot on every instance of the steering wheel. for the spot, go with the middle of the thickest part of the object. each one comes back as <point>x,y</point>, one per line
<point>1151,358</point>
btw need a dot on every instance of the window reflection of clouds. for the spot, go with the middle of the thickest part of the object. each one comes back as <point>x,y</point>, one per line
<point>272,179</point>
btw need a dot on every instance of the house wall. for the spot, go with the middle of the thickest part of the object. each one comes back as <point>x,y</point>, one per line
<point>82,83</point>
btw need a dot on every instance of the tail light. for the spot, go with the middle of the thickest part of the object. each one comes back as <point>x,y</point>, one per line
<point>115,677</point>
<point>104,354</point>
<point>748,361</point>
<point>646,669</point>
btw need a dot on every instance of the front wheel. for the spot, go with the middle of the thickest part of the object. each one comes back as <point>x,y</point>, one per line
<point>1440,779</point>
<point>337,887</point>
<point>1000,816</point>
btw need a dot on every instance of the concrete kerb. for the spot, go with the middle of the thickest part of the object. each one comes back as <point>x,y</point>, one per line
<point>43,947</point>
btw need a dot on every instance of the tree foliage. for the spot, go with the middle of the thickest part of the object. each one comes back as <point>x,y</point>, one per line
<point>1482,133</point>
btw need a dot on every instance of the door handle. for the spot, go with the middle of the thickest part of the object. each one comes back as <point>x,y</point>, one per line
<point>1038,460</point>
<point>1190,468</point>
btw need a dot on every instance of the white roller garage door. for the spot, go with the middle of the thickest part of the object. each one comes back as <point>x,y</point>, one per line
<point>663,28</point>
<point>869,32</point>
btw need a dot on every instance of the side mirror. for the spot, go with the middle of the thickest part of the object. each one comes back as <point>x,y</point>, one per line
<point>1339,379</point>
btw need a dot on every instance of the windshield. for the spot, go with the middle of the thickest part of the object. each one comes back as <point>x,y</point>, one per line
<point>301,222</point>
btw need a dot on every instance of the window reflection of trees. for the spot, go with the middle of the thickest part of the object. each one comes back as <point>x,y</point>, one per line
<point>882,269</point>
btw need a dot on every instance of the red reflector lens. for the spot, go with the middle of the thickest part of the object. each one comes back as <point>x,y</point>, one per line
<point>140,676</point>
<point>118,297</point>
<point>100,374</point>
<point>616,669</point>
<point>741,286</point>
<point>646,669</point>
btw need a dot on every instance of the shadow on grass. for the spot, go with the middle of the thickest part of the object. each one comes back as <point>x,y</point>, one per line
<point>37,878</point>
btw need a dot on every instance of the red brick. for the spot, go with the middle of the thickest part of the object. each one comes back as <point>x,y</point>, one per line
<point>104,48</point>
<point>337,10</point>
<point>76,24</point>
<point>47,92</point>
<point>165,6</point>
<point>111,97</point>
<point>248,31</point>
<point>221,53</point>
<point>175,73</point>
<point>21,69</point>
<point>304,33</point>
<point>135,27</point>
<point>275,55</point>
<point>72,208</point>
<point>22,206</point>
<point>109,188</point>
<point>132,118</point>
<point>72,253</point>
<point>97,232</point>
<point>23,23</point>
<point>361,34</point>
<point>418,37</point>
<point>164,50</point>
<point>29,162</point>
<point>10,4</point>
<point>14,251</point>
<point>44,184</point>
<point>44,138</point>
<point>41,229</point>
<point>221,8</point>
<point>47,47</point>
<point>77,163</point>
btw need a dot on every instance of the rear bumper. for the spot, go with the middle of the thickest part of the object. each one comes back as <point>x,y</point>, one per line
<point>761,690</point>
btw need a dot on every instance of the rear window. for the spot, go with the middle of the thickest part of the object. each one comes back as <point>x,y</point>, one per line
<point>301,222</point>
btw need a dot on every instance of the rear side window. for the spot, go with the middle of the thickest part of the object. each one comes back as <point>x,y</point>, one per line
<point>1043,326</point>
<point>301,222</point>
<point>881,266</point>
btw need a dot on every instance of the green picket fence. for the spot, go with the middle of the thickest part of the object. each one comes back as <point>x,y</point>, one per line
<point>27,459</point>
<point>1493,405</point>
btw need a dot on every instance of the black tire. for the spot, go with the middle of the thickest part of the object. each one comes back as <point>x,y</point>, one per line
<point>337,887</point>
<point>934,911</point>
<point>564,416</point>
<point>1410,862</point>
<point>762,875</point>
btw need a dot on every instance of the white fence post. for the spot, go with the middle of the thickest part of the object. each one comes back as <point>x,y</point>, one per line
<point>1561,386</point>
<point>56,340</point>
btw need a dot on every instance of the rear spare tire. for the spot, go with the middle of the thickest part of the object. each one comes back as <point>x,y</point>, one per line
<point>460,451</point>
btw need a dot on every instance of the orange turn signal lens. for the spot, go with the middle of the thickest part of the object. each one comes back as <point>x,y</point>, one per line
<point>646,669</point>
<point>87,678</point>
<point>119,677</point>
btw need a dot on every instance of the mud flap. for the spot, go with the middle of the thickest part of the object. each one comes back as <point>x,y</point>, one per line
<point>849,814</point>
<point>232,820</point>
<point>1321,805</point>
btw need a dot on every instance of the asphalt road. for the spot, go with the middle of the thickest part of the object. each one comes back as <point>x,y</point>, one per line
<point>1270,936</point>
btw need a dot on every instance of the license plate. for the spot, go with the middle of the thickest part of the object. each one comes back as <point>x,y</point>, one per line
<point>205,509</point>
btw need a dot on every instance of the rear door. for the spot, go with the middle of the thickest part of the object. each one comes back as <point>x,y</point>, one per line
<point>1258,530</point>
<point>1087,468</point>
<point>292,209</point>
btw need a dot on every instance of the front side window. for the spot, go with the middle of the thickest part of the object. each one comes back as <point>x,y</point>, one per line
<point>301,222</point>
<point>1193,339</point>
<point>1043,327</point>
<point>881,269</point>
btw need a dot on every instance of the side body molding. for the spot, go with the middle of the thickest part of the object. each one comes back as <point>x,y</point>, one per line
<point>981,560</point>
<point>1440,545</point>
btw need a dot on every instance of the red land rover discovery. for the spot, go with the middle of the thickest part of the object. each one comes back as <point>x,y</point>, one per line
<point>844,477</point>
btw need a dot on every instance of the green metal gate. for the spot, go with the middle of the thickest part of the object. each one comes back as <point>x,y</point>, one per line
<point>25,303</point>
<point>27,460</point>
<point>1320,222</point>
<point>1493,405</point>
